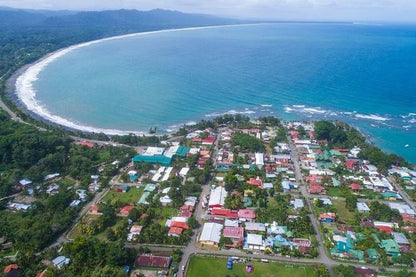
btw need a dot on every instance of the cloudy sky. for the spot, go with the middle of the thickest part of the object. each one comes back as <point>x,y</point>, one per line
<point>362,10</point>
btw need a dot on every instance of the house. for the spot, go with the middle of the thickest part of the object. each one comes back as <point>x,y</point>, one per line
<point>18,207</point>
<point>154,261</point>
<point>86,144</point>
<point>316,189</point>
<point>122,188</point>
<point>275,229</point>
<point>363,207</point>
<point>327,217</point>
<point>175,231</point>
<point>217,197</point>
<point>61,261</point>
<point>211,234</point>
<point>124,211</point>
<point>94,209</point>
<point>355,187</point>
<point>297,204</point>
<point>135,231</point>
<point>372,254</point>
<point>400,238</point>
<point>390,247</point>
<point>259,160</point>
<point>254,241</point>
<point>53,189</point>
<point>303,245</point>
<point>93,187</point>
<point>165,200</point>
<point>364,271</point>
<point>236,234</point>
<point>179,224</point>
<point>256,182</point>
<point>223,214</point>
<point>255,227</point>
<point>12,270</point>
<point>246,215</point>
<point>132,175</point>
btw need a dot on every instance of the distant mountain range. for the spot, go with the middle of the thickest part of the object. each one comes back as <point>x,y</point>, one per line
<point>112,19</point>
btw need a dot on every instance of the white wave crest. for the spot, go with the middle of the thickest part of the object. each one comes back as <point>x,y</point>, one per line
<point>372,117</point>
<point>27,94</point>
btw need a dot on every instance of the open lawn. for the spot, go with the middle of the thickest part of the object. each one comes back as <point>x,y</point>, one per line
<point>130,197</point>
<point>342,212</point>
<point>217,267</point>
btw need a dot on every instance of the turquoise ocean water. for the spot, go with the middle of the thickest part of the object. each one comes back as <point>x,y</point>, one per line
<point>362,74</point>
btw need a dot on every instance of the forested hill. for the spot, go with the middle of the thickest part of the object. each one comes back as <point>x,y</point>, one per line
<point>112,19</point>
<point>27,35</point>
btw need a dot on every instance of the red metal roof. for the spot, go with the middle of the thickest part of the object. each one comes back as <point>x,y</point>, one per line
<point>255,182</point>
<point>179,224</point>
<point>126,209</point>
<point>355,186</point>
<point>149,260</point>
<point>224,213</point>
<point>233,232</point>
<point>87,144</point>
<point>385,229</point>
<point>185,213</point>
<point>246,213</point>
<point>11,267</point>
<point>175,231</point>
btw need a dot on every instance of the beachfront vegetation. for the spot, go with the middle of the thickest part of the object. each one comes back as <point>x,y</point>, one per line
<point>342,135</point>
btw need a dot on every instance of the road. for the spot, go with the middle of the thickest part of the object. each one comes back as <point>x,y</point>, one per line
<point>323,257</point>
<point>63,238</point>
<point>191,248</point>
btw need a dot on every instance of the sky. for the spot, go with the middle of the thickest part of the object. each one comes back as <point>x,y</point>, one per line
<point>351,10</point>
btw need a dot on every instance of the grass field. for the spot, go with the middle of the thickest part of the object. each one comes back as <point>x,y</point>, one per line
<point>342,212</point>
<point>130,197</point>
<point>217,267</point>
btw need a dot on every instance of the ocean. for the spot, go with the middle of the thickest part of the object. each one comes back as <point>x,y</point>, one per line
<point>362,74</point>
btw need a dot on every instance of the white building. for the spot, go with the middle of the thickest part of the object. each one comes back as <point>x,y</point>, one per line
<point>255,242</point>
<point>363,207</point>
<point>211,233</point>
<point>217,197</point>
<point>259,160</point>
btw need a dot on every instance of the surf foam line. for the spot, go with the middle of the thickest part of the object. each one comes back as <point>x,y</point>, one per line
<point>26,93</point>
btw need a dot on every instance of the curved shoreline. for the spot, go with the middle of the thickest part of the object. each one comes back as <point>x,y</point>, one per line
<point>22,91</point>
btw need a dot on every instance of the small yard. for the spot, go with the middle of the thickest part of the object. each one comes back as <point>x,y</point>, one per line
<point>124,198</point>
<point>217,267</point>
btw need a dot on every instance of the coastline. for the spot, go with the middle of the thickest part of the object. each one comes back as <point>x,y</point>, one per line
<point>20,90</point>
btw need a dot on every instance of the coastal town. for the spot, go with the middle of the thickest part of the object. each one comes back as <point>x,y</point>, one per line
<point>240,197</point>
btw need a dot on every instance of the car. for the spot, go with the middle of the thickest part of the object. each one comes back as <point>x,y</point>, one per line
<point>183,268</point>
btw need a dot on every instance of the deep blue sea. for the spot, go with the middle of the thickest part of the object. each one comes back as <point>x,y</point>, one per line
<point>362,74</point>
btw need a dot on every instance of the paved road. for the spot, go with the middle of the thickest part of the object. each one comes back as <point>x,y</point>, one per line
<point>323,257</point>
<point>405,196</point>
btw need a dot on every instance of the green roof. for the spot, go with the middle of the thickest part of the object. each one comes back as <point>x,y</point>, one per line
<point>389,194</point>
<point>163,160</point>
<point>289,234</point>
<point>335,152</point>
<point>372,253</point>
<point>150,187</point>
<point>390,246</point>
<point>335,182</point>
<point>182,151</point>
<point>357,253</point>
<point>142,199</point>
<point>247,201</point>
